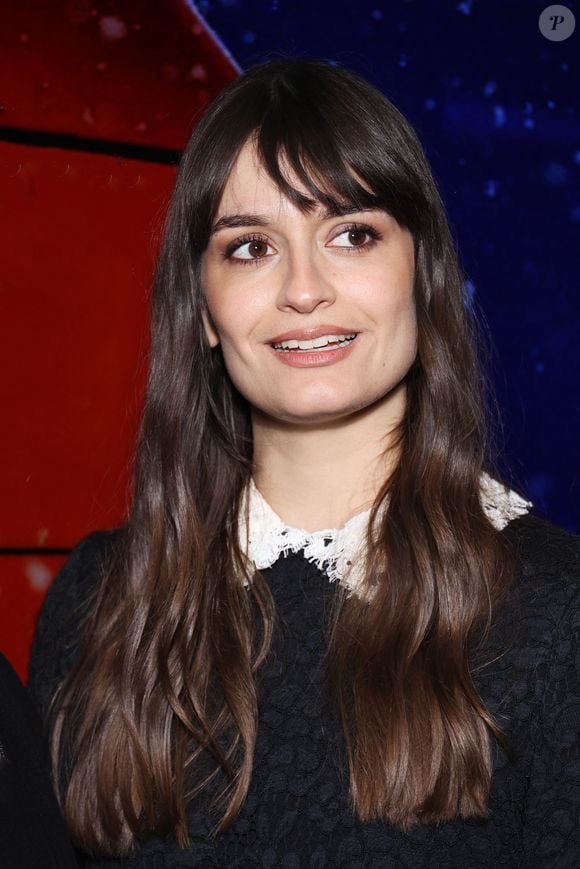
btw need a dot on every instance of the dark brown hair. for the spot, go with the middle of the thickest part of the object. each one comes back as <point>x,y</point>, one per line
<point>163,691</point>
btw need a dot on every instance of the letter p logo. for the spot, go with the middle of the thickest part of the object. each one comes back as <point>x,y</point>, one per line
<point>557,23</point>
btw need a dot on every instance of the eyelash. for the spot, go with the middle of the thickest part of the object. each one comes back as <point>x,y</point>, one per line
<point>246,239</point>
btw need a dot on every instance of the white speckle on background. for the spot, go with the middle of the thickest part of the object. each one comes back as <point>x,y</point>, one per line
<point>112,28</point>
<point>465,7</point>
<point>38,574</point>
<point>498,116</point>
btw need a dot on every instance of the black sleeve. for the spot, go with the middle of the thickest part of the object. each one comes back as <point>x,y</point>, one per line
<point>552,812</point>
<point>57,635</point>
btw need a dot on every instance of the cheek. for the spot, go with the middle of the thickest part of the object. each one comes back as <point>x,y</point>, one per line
<point>405,319</point>
<point>388,286</point>
<point>389,298</point>
<point>389,302</point>
<point>217,300</point>
<point>237,312</point>
<point>235,323</point>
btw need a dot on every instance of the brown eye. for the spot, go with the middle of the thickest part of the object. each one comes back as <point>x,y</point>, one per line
<point>357,236</point>
<point>257,248</point>
<point>247,250</point>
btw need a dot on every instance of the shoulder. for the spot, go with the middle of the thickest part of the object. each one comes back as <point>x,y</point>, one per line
<point>542,604</point>
<point>527,667</point>
<point>539,538</point>
<point>76,579</point>
<point>548,580</point>
<point>67,602</point>
<point>532,649</point>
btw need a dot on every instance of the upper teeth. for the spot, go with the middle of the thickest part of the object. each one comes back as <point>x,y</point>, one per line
<point>313,343</point>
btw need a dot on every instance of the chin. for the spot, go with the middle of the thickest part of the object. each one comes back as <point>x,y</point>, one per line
<point>319,413</point>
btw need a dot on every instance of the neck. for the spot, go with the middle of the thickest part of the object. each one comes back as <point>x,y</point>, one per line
<point>319,475</point>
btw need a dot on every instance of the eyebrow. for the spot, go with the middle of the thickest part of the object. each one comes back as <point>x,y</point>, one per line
<point>235,221</point>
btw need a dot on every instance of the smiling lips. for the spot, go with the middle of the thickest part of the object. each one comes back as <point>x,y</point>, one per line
<point>331,341</point>
<point>330,345</point>
<point>327,330</point>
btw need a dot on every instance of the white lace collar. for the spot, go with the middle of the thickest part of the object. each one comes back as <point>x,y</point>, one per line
<point>338,552</point>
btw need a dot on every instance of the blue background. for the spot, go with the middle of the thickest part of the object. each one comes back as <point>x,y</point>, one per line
<point>495,105</point>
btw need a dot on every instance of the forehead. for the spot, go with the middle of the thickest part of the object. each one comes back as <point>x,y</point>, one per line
<point>250,184</point>
<point>250,187</point>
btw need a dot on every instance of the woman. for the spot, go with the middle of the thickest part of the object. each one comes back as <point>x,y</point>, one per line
<point>328,635</point>
<point>32,832</point>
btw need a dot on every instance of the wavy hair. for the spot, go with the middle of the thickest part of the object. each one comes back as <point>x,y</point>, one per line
<point>163,691</point>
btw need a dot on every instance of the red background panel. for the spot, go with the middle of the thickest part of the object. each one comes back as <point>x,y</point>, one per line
<point>130,71</point>
<point>79,231</point>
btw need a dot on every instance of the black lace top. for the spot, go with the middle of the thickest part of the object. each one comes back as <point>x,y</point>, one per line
<point>297,812</point>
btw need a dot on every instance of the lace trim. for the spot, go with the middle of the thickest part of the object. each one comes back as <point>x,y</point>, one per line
<point>339,552</point>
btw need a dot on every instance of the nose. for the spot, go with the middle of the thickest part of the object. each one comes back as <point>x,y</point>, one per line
<point>306,282</point>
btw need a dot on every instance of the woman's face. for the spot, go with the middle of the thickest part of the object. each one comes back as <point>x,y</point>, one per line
<point>277,270</point>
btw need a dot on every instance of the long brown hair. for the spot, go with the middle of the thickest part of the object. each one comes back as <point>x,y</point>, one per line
<point>163,689</point>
